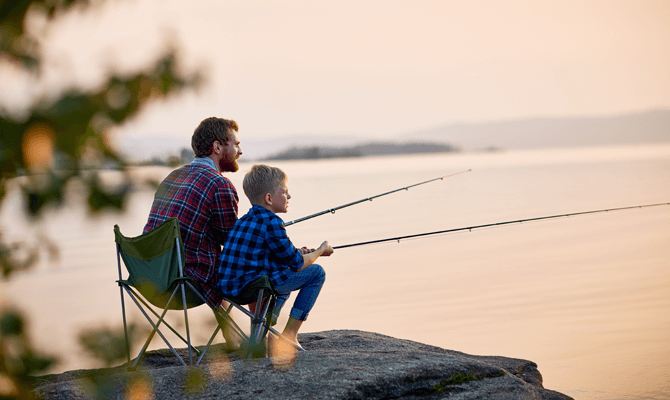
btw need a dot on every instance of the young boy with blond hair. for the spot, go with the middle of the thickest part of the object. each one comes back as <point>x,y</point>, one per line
<point>258,245</point>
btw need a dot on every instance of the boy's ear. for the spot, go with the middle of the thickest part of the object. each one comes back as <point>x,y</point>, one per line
<point>268,199</point>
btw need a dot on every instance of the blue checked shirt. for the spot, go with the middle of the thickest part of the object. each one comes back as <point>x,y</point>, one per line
<point>257,245</point>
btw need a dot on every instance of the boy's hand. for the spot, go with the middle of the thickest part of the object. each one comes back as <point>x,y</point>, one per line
<point>305,250</point>
<point>311,255</point>
<point>325,249</point>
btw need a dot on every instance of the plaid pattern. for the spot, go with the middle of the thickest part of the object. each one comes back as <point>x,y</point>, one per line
<point>256,246</point>
<point>206,205</point>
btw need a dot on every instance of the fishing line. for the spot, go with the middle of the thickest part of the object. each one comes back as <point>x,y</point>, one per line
<point>332,210</point>
<point>470,228</point>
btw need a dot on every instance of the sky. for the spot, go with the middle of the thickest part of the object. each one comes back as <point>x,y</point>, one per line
<point>374,68</point>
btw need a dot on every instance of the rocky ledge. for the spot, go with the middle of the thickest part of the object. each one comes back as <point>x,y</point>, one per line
<point>340,364</point>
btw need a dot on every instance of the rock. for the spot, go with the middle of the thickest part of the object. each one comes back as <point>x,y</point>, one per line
<point>339,364</point>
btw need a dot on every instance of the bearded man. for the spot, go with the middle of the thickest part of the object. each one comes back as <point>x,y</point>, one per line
<point>204,202</point>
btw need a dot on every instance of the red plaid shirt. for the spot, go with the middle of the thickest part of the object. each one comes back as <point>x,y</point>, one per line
<point>206,205</point>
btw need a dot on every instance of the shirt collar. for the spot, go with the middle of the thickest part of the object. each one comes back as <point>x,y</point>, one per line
<point>259,209</point>
<point>205,161</point>
<point>262,210</point>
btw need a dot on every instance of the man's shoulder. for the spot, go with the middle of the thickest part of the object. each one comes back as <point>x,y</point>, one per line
<point>205,174</point>
<point>176,173</point>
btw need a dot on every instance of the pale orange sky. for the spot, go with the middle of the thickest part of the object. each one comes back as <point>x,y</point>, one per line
<point>377,68</point>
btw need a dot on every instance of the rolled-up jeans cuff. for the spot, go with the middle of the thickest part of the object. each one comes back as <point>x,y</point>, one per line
<point>298,314</point>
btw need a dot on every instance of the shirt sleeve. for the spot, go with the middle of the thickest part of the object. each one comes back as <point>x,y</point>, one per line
<point>282,247</point>
<point>224,211</point>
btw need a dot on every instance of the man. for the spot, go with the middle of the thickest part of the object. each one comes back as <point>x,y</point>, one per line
<point>204,201</point>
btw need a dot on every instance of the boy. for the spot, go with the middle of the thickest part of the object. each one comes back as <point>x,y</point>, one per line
<point>257,245</point>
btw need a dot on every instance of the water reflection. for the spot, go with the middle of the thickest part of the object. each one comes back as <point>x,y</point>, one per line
<point>584,297</point>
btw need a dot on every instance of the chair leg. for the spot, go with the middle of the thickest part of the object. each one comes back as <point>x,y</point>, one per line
<point>282,337</point>
<point>222,316</point>
<point>257,323</point>
<point>188,332</point>
<point>209,343</point>
<point>225,314</point>
<point>265,318</point>
<point>270,328</point>
<point>125,324</point>
<point>228,319</point>
<point>123,305</point>
<point>224,320</point>
<point>155,330</point>
<point>166,324</point>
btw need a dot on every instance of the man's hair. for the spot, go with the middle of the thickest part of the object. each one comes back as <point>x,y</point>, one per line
<point>260,180</point>
<point>209,131</point>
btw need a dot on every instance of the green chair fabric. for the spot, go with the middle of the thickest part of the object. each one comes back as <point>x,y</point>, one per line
<point>153,266</point>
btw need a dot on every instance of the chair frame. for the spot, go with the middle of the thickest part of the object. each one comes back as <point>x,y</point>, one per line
<point>259,318</point>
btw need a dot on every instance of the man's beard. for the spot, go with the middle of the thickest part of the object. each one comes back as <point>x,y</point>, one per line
<point>226,165</point>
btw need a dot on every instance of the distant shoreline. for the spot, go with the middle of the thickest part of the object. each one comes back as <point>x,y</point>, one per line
<point>361,150</point>
<point>646,127</point>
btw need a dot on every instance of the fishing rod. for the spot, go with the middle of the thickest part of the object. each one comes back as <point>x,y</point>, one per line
<point>332,210</point>
<point>470,228</point>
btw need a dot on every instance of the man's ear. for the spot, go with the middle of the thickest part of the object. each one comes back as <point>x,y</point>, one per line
<point>215,150</point>
<point>268,198</point>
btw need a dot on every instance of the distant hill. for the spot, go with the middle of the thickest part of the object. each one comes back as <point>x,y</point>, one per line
<point>644,127</point>
<point>635,128</point>
<point>362,150</point>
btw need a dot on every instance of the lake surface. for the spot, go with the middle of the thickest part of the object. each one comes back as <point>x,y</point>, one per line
<point>587,297</point>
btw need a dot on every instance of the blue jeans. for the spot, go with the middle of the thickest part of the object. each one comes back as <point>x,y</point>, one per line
<point>309,281</point>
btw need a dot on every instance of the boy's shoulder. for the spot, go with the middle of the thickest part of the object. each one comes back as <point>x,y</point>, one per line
<point>260,212</point>
<point>260,215</point>
<point>258,222</point>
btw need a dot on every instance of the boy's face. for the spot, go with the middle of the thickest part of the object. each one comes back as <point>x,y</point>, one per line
<point>280,198</point>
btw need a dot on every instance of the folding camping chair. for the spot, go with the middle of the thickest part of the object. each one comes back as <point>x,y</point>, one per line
<point>154,262</point>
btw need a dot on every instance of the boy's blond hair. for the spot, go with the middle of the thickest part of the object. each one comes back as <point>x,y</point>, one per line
<point>260,180</point>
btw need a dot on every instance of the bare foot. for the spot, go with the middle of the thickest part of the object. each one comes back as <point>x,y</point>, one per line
<point>282,352</point>
<point>233,340</point>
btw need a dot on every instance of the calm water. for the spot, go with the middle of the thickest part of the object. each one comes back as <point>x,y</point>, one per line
<point>587,298</point>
